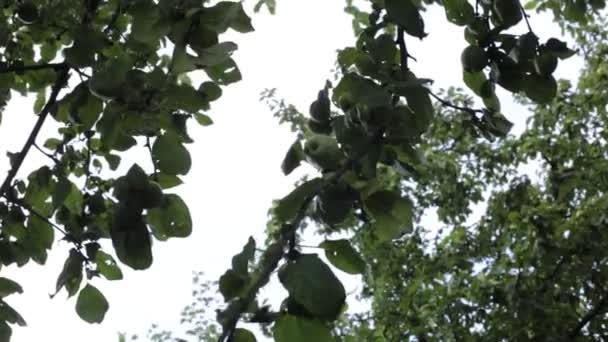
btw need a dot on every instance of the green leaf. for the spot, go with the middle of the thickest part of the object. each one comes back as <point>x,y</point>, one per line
<point>288,207</point>
<point>147,26</point>
<point>226,15</point>
<point>293,158</point>
<point>168,181</point>
<point>459,12</point>
<point>183,62</point>
<point>8,314</point>
<point>203,119</point>
<point>40,237</point>
<point>312,284</point>
<point>240,262</point>
<point>343,256</point>
<point>71,274</point>
<point>271,5</point>
<point>224,73</point>
<point>419,101</point>
<point>392,214</point>
<point>558,48</point>
<point>5,332</point>
<point>295,329</point>
<point>211,90</point>
<point>170,155</point>
<point>107,266</point>
<point>383,48</point>
<point>113,161</point>
<point>8,287</point>
<point>91,305</point>
<point>130,237</point>
<point>475,81</point>
<point>185,97</point>
<point>243,335</point>
<point>171,219</point>
<point>407,15</point>
<point>67,194</point>
<point>357,89</point>
<point>40,101</point>
<point>216,54</point>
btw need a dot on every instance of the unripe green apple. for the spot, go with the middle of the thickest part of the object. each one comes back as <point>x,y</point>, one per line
<point>323,152</point>
<point>473,58</point>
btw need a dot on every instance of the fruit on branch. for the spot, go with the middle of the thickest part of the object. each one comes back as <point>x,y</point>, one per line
<point>323,152</point>
<point>473,58</point>
<point>508,74</point>
<point>478,29</point>
<point>525,48</point>
<point>545,64</point>
<point>506,13</point>
<point>375,117</point>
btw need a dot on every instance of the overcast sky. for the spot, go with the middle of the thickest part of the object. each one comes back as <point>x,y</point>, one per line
<point>236,167</point>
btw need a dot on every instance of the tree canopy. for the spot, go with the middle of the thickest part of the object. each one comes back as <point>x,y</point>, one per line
<point>117,76</point>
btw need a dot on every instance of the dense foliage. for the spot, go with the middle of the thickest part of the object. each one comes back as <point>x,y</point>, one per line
<point>531,268</point>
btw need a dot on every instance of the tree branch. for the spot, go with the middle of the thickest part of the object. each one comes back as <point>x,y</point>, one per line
<point>526,18</point>
<point>275,252</point>
<point>34,212</point>
<point>447,103</point>
<point>588,317</point>
<point>403,54</point>
<point>22,68</point>
<point>61,81</point>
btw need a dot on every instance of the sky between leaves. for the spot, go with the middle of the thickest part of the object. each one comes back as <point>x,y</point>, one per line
<point>236,167</point>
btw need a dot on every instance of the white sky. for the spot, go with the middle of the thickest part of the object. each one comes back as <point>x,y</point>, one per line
<point>236,167</point>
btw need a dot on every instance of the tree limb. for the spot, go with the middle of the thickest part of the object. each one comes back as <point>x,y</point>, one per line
<point>589,316</point>
<point>61,81</point>
<point>275,252</point>
<point>23,68</point>
<point>403,54</point>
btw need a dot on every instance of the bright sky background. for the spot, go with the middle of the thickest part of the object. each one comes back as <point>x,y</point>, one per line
<point>236,167</point>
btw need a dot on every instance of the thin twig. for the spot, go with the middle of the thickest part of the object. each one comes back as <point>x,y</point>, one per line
<point>33,211</point>
<point>50,156</point>
<point>23,68</point>
<point>447,103</point>
<point>403,54</point>
<point>308,246</point>
<point>149,146</point>
<point>62,79</point>
<point>526,18</point>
